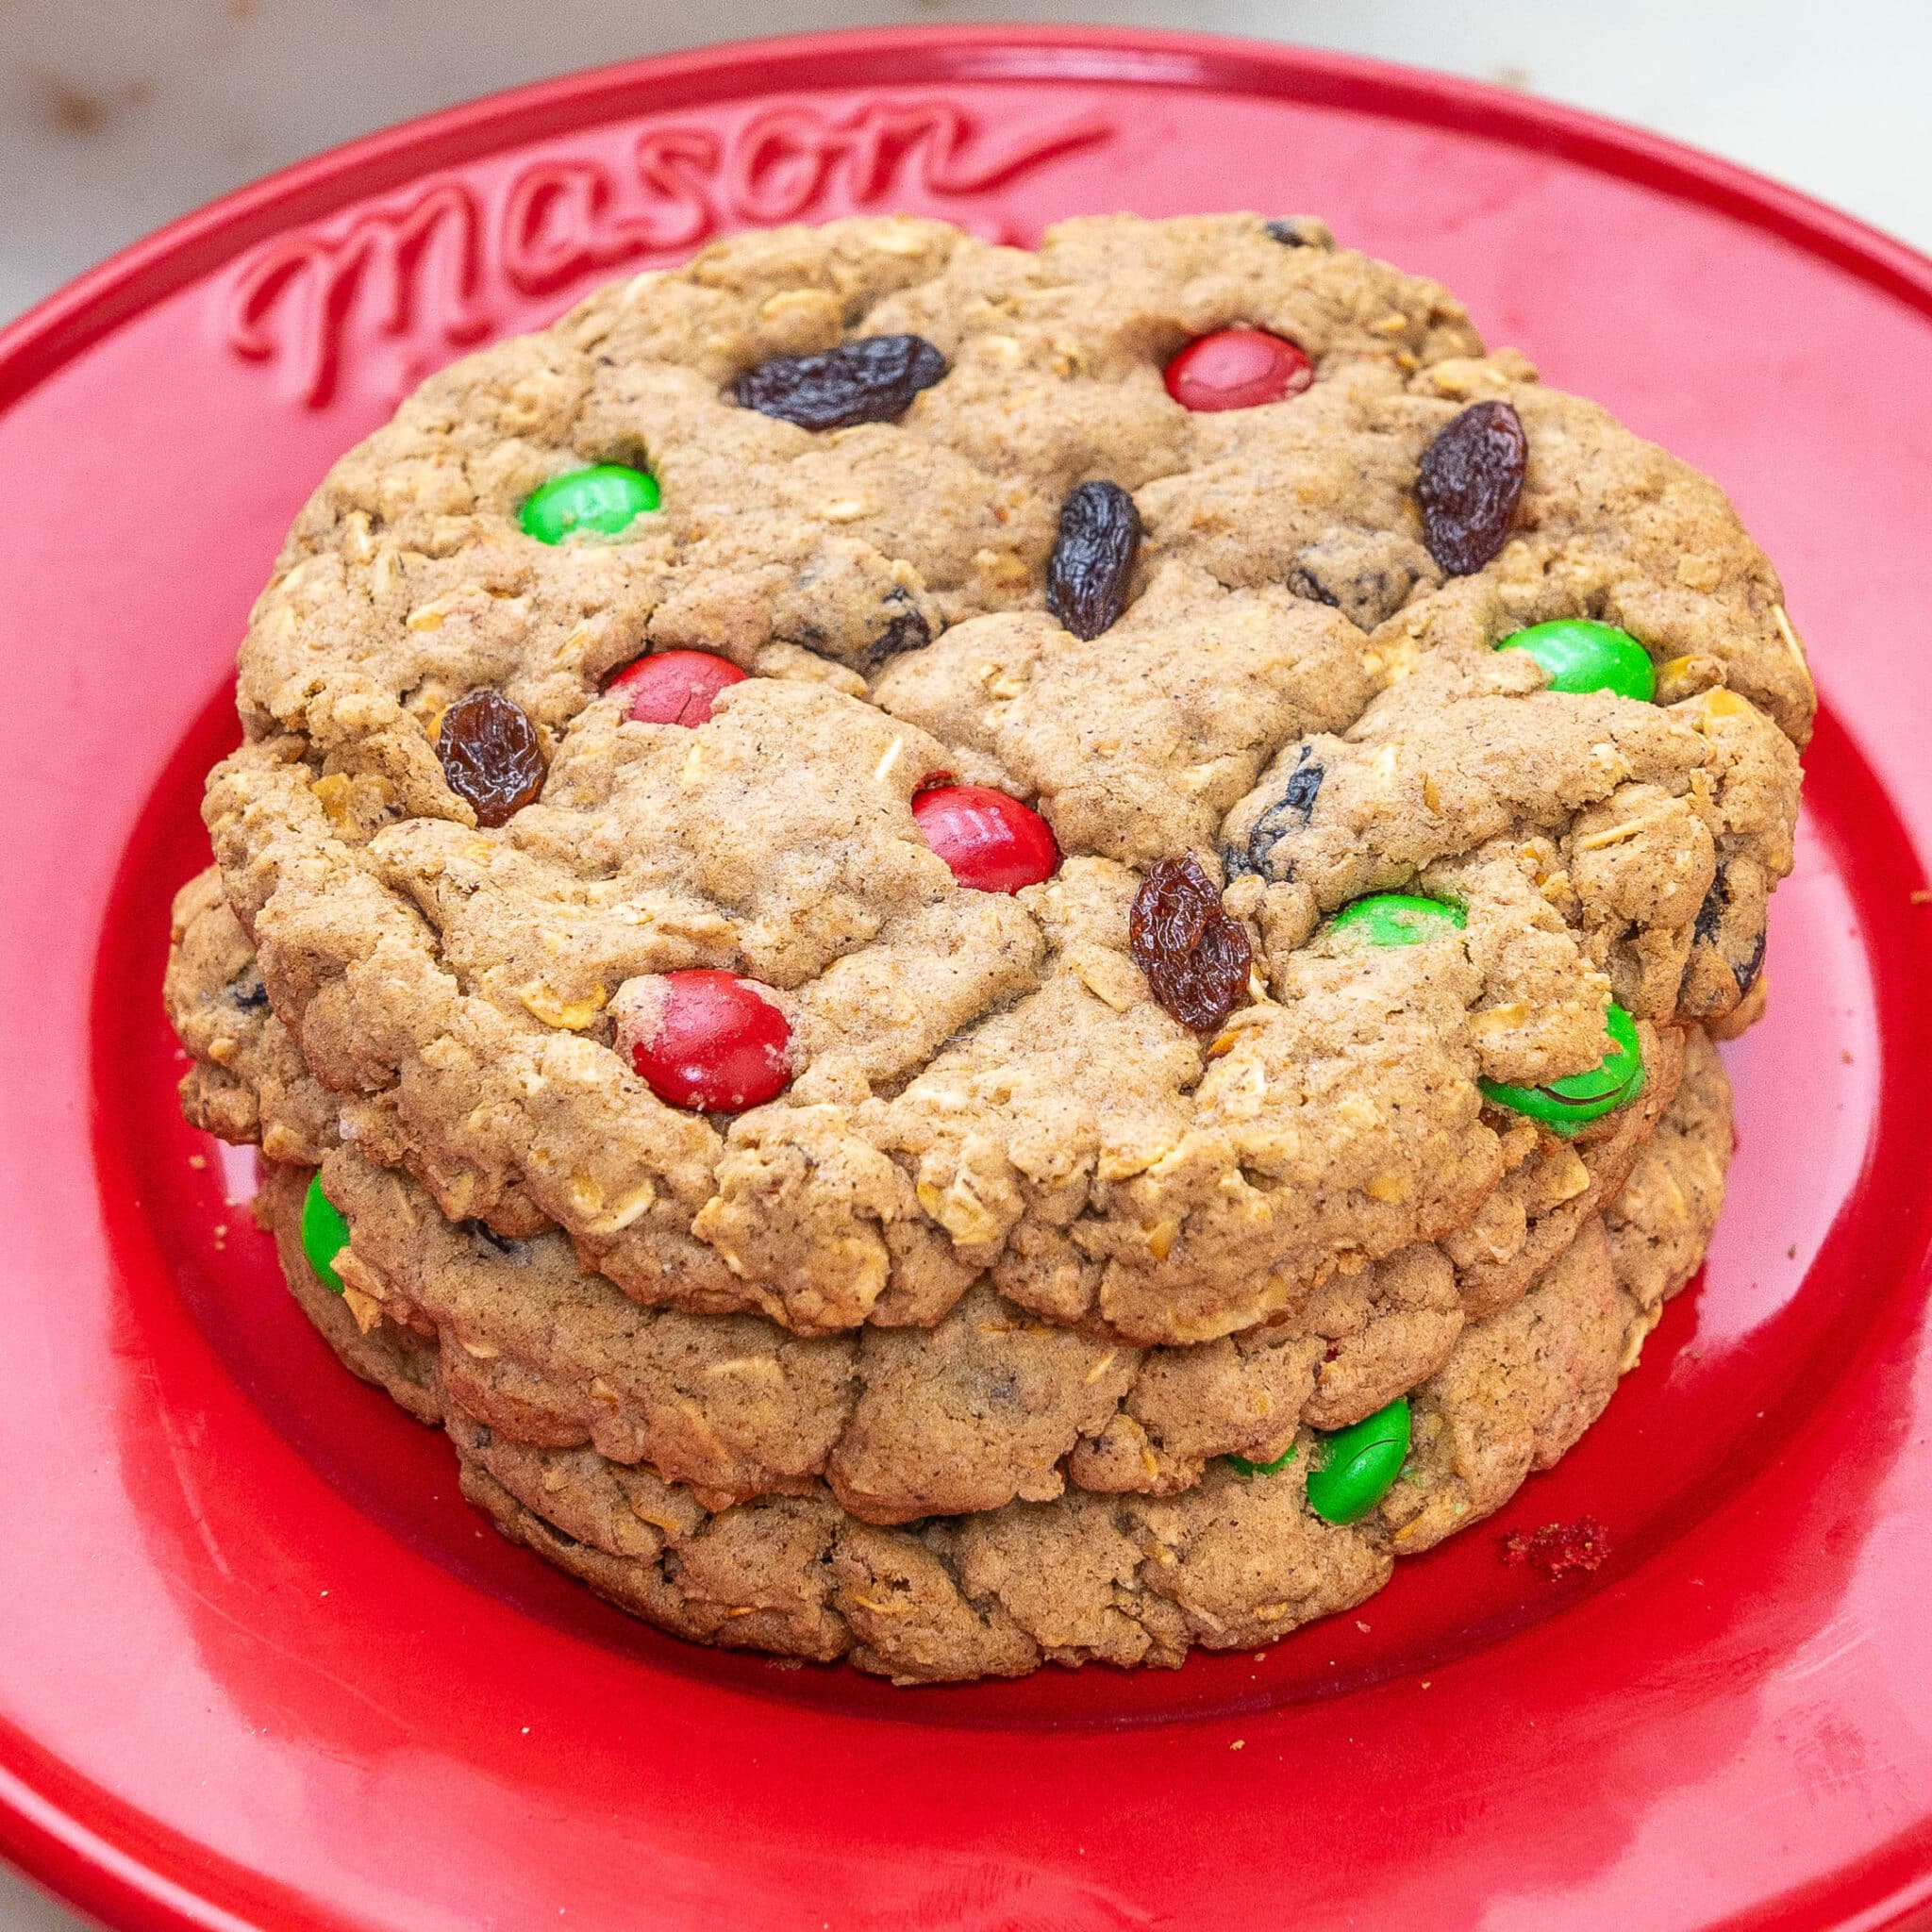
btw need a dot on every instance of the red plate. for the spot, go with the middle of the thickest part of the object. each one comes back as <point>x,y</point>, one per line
<point>259,1666</point>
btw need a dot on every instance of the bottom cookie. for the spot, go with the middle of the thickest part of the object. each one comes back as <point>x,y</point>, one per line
<point>1234,1562</point>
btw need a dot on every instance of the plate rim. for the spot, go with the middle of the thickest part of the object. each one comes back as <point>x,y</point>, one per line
<point>62,324</point>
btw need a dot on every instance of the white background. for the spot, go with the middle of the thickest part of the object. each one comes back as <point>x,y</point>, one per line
<point>116,115</point>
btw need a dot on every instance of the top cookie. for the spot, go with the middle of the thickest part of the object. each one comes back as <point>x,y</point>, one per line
<point>1006,538</point>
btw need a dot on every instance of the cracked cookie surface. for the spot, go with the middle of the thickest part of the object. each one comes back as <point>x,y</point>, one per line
<point>983,1085</point>
<point>991,1405</point>
<point>1232,1562</point>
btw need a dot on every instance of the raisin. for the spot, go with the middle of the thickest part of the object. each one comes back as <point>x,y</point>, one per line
<point>872,380</point>
<point>1303,582</point>
<point>248,992</point>
<point>1468,483</point>
<point>1747,974</point>
<point>1303,785</point>
<point>1708,931</point>
<point>491,756</point>
<point>1194,956</point>
<point>906,632</point>
<point>1296,231</point>
<point>484,1235</point>
<point>1710,915</point>
<point>1557,1548</point>
<point>1295,806</point>
<point>1092,559</point>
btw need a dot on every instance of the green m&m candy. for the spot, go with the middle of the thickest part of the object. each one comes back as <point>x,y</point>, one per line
<point>1355,1466</point>
<point>1399,919</point>
<point>1568,1105</point>
<point>606,498</point>
<point>1582,656</point>
<point>324,1235</point>
<point>1242,1466</point>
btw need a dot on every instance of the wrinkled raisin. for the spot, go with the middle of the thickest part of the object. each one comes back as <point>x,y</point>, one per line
<point>1194,956</point>
<point>1092,559</point>
<point>909,631</point>
<point>1468,485</point>
<point>1296,232</point>
<point>872,380</point>
<point>1710,915</point>
<point>491,756</point>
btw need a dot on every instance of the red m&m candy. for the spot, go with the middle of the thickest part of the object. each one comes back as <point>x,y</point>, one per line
<point>675,687</point>
<point>1237,369</point>
<point>993,843</point>
<point>712,1041</point>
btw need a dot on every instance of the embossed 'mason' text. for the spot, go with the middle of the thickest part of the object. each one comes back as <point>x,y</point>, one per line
<point>424,268</point>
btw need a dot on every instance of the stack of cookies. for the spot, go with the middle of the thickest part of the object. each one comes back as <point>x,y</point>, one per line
<point>973,957</point>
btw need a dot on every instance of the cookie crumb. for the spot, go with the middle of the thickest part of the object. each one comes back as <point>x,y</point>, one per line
<point>1557,1548</point>
<point>1238,1743</point>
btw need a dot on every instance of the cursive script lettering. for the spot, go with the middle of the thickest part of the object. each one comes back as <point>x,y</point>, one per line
<point>423,270</point>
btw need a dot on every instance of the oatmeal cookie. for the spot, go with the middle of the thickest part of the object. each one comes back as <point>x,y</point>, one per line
<point>991,1405</point>
<point>1233,1562</point>
<point>1168,551</point>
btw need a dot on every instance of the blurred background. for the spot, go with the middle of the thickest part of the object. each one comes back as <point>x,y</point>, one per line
<point>115,116</point>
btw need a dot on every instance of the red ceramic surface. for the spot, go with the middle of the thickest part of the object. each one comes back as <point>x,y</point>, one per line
<point>258,1666</point>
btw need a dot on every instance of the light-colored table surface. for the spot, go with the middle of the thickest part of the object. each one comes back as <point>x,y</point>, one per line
<point>116,116</point>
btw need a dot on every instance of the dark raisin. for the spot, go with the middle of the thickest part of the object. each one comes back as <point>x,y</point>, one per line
<point>1303,582</point>
<point>1747,975</point>
<point>1194,956</point>
<point>1292,809</point>
<point>483,1437</point>
<point>248,992</point>
<point>1710,915</point>
<point>1269,829</point>
<point>872,380</point>
<point>906,632</point>
<point>486,1237</point>
<point>491,756</point>
<point>1092,559</point>
<point>1296,231</point>
<point>1303,785</point>
<point>1468,483</point>
<point>1710,931</point>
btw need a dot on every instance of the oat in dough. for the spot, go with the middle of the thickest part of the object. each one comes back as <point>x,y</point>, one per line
<point>1230,1563</point>
<point>991,1405</point>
